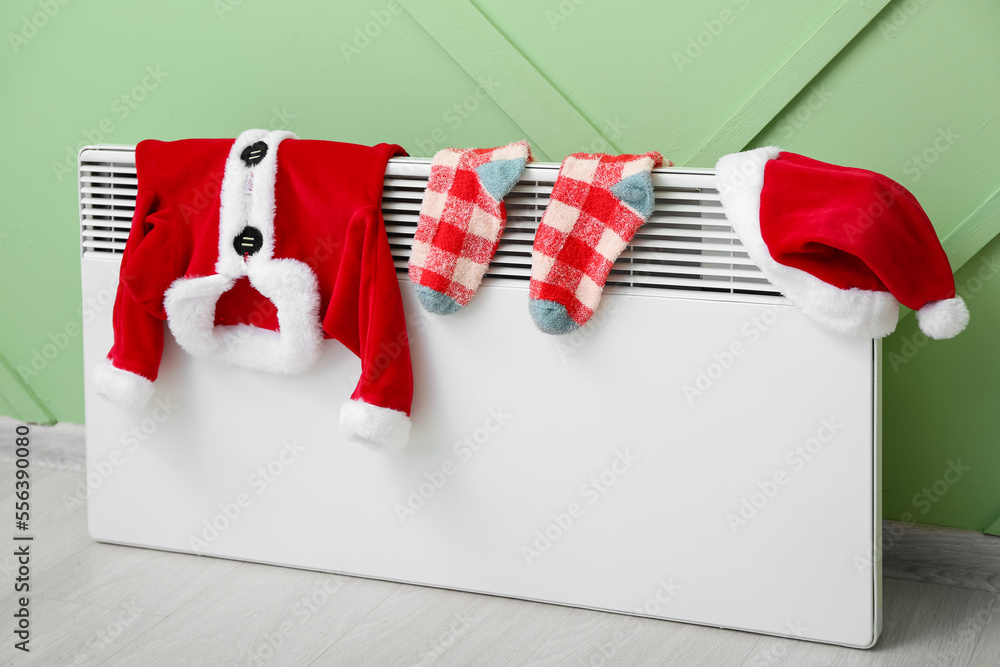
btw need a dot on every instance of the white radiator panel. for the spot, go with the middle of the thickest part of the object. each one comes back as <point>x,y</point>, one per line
<point>571,407</point>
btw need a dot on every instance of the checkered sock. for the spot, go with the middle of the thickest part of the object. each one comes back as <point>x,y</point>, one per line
<point>461,221</point>
<point>597,204</point>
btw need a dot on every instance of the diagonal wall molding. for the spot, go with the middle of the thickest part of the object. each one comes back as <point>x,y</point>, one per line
<point>993,528</point>
<point>815,53</point>
<point>552,122</point>
<point>26,404</point>
<point>964,242</point>
<point>972,234</point>
<point>557,127</point>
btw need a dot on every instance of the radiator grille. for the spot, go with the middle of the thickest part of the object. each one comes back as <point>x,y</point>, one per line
<point>686,245</point>
<point>107,199</point>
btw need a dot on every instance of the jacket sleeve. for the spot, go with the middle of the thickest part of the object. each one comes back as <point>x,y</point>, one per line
<point>366,314</point>
<point>148,266</point>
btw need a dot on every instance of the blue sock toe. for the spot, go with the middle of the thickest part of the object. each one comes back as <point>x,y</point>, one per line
<point>436,302</point>
<point>551,317</point>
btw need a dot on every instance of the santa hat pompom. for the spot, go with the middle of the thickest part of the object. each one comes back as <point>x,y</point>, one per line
<point>944,318</point>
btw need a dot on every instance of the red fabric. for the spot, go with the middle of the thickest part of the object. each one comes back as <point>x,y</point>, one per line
<point>327,214</point>
<point>852,228</point>
<point>575,249</point>
<point>448,233</point>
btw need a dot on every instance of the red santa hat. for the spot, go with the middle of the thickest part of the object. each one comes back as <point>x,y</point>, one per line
<point>254,261</point>
<point>845,245</point>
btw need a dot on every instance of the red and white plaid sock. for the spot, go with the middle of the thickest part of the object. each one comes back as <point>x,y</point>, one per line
<point>461,221</point>
<point>597,204</point>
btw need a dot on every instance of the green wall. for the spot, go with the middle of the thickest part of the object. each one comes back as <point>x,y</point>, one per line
<point>912,91</point>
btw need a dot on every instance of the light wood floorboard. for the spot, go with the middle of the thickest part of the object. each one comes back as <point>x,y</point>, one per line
<point>445,628</point>
<point>595,638</point>
<point>923,624</point>
<point>59,527</point>
<point>67,633</point>
<point>941,555</point>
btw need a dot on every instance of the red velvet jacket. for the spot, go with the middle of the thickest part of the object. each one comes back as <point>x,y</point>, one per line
<point>255,260</point>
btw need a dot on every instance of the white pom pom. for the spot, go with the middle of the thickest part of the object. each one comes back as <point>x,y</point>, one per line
<point>943,319</point>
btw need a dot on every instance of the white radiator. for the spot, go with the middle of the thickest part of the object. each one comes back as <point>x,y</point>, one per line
<point>699,452</point>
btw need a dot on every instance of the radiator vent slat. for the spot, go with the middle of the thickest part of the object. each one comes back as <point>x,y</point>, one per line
<point>98,177</point>
<point>687,245</point>
<point>112,210</point>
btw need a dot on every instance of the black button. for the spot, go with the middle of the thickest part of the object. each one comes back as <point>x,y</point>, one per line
<point>248,241</point>
<point>254,153</point>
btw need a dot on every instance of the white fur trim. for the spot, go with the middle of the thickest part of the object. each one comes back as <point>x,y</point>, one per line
<point>380,429</point>
<point>121,387</point>
<point>854,312</point>
<point>944,318</point>
<point>190,306</point>
<point>288,283</point>
<point>247,198</point>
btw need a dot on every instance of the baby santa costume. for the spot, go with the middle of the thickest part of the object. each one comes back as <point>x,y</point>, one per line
<point>287,254</point>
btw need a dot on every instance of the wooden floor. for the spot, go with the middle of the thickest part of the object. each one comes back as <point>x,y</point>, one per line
<point>96,604</point>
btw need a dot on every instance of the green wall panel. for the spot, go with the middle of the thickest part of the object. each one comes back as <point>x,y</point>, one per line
<point>926,90</point>
<point>940,407</point>
<point>662,75</point>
